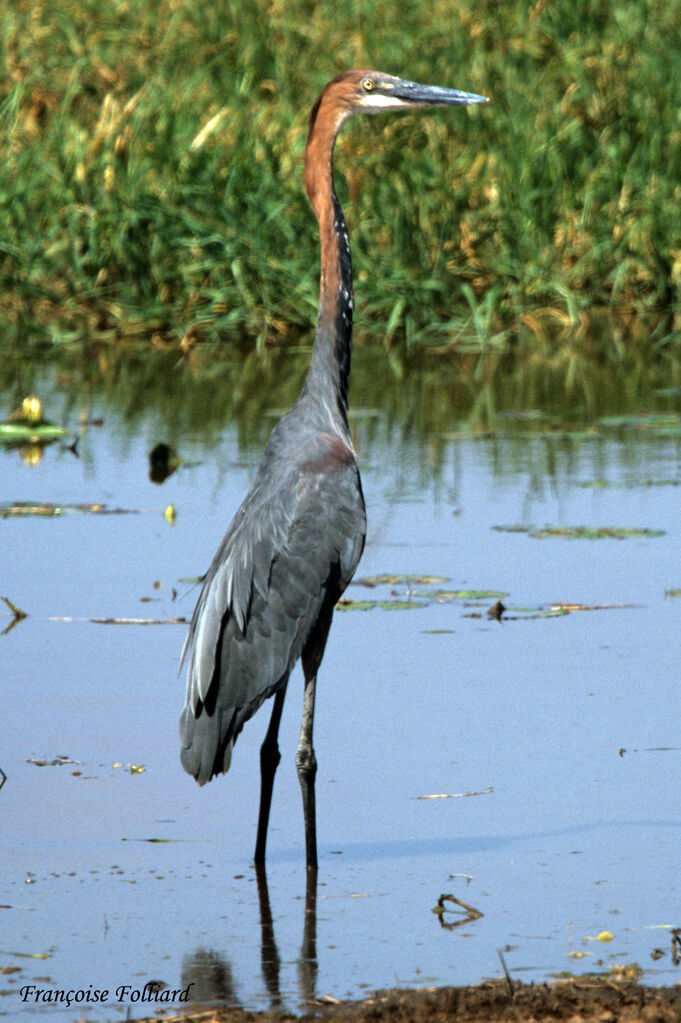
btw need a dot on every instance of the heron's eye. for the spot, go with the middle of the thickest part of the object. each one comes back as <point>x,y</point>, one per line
<point>368,84</point>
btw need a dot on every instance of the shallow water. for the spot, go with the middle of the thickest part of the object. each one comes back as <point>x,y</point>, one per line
<point>555,737</point>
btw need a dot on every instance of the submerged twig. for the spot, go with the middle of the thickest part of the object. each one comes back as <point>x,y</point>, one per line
<point>139,621</point>
<point>676,945</point>
<point>121,621</point>
<point>17,615</point>
<point>471,912</point>
<point>58,761</point>
<point>457,795</point>
<point>496,611</point>
<point>507,975</point>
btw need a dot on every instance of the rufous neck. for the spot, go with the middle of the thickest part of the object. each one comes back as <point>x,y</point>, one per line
<point>330,362</point>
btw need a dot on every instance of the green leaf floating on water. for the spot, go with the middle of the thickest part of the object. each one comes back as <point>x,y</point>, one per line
<point>30,433</point>
<point>27,426</point>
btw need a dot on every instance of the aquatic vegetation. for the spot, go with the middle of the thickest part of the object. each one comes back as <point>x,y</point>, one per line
<point>151,175</point>
<point>406,593</point>
<point>27,426</point>
<point>20,509</point>
<point>582,532</point>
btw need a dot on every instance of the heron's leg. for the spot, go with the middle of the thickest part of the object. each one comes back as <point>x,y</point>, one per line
<point>306,764</point>
<point>269,761</point>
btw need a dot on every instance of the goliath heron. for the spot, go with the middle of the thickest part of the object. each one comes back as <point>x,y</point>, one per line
<point>295,542</point>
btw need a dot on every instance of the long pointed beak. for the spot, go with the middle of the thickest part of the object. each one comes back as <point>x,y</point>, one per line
<point>434,95</point>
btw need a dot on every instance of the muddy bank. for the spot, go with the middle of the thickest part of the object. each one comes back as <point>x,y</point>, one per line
<point>576,1001</point>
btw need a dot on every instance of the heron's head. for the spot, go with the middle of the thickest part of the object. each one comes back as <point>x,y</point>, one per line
<point>373,92</point>
<point>369,92</point>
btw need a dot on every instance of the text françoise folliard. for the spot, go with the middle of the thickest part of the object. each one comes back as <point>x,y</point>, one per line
<point>151,992</point>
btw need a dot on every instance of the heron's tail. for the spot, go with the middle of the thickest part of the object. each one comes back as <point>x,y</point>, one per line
<point>207,741</point>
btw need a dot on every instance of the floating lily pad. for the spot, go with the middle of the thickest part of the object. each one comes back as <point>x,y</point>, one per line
<point>410,595</point>
<point>631,483</point>
<point>524,415</point>
<point>384,605</point>
<point>656,483</point>
<point>396,580</point>
<point>401,605</point>
<point>558,609</point>
<point>582,532</point>
<point>30,433</point>
<point>446,596</point>
<point>511,614</point>
<point>587,533</point>
<point>29,955</point>
<point>46,508</point>
<point>567,608</point>
<point>356,605</point>
<point>663,424</point>
<point>24,508</point>
<point>27,426</point>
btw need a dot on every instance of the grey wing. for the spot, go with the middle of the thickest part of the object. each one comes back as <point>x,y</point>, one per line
<point>260,600</point>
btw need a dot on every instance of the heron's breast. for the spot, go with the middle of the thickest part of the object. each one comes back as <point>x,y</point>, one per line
<point>329,454</point>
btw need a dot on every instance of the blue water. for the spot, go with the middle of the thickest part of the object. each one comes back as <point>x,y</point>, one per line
<point>567,837</point>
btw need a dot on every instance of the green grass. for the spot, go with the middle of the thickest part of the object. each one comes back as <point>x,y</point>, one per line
<point>151,171</point>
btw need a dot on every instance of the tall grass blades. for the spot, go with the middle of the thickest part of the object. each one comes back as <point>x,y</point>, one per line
<point>150,179</point>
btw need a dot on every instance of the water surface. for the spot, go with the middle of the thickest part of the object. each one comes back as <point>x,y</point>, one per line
<point>555,736</point>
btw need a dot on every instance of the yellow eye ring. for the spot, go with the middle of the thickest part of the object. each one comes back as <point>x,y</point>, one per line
<point>368,84</point>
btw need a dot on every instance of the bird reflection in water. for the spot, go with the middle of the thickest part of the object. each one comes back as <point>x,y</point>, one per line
<point>210,974</point>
